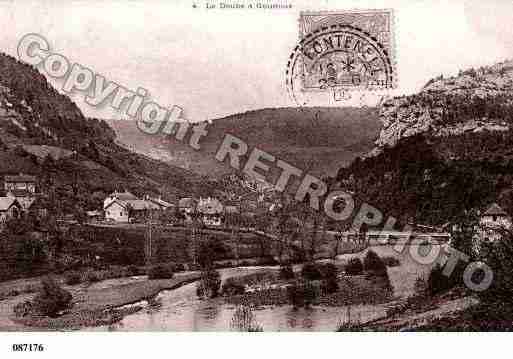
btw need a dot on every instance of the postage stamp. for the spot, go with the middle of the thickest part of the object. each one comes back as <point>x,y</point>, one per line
<point>344,50</point>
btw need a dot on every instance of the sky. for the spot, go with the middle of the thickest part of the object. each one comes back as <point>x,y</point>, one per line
<point>214,63</point>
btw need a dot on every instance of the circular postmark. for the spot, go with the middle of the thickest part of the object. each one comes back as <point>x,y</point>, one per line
<point>338,59</point>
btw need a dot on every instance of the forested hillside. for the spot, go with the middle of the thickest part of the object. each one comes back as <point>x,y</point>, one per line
<point>443,151</point>
<point>42,132</point>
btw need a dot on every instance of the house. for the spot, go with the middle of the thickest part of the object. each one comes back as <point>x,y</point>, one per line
<point>116,210</point>
<point>211,211</point>
<point>187,206</point>
<point>165,206</point>
<point>25,198</point>
<point>20,182</point>
<point>9,208</point>
<point>22,187</point>
<point>129,210</point>
<point>492,220</point>
<point>123,196</point>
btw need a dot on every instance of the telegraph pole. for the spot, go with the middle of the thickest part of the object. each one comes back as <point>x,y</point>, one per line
<point>148,244</point>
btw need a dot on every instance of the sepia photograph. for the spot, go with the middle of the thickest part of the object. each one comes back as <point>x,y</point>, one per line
<point>265,166</point>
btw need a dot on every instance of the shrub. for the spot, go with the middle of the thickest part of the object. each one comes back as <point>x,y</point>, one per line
<point>160,271</point>
<point>311,271</point>
<point>232,286</point>
<point>208,286</point>
<point>328,271</point>
<point>51,298</point>
<point>302,293</point>
<point>330,285</point>
<point>286,272</point>
<point>179,267</point>
<point>373,263</point>
<point>72,278</point>
<point>391,261</point>
<point>438,282</point>
<point>268,261</point>
<point>132,270</point>
<point>354,266</point>
<point>92,276</point>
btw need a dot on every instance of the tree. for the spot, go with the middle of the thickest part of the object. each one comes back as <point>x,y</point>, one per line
<point>464,230</point>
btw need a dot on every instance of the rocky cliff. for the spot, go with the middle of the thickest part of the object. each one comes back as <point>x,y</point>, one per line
<point>474,100</point>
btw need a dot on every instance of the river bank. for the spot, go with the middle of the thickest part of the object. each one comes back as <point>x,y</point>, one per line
<point>421,313</point>
<point>120,304</point>
<point>102,303</point>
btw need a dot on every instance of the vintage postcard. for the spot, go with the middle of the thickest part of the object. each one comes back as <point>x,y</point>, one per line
<point>254,166</point>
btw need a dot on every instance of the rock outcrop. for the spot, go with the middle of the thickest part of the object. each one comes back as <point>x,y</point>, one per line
<point>451,106</point>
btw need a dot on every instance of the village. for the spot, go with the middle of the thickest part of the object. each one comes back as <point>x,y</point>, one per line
<point>21,198</point>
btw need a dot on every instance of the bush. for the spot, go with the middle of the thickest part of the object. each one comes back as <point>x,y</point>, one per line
<point>311,271</point>
<point>208,286</point>
<point>328,271</point>
<point>51,298</point>
<point>354,266</point>
<point>302,294</point>
<point>391,261</point>
<point>232,286</point>
<point>160,271</point>
<point>92,277</point>
<point>73,278</point>
<point>132,270</point>
<point>286,272</point>
<point>438,282</point>
<point>373,263</point>
<point>179,267</point>
<point>267,261</point>
<point>319,271</point>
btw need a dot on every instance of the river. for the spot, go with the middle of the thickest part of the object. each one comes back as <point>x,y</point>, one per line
<point>181,310</point>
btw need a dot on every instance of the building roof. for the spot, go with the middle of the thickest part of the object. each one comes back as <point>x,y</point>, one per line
<point>19,193</point>
<point>161,202</point>
<point>141,204</point>
<point>26,202</point>
<point>19,178</point>
<point>495,210</point>
<point>187,202</point>
<point>210,206</point>
<point>124,196</point>
<point>7,202</point>
<point>134,204</point>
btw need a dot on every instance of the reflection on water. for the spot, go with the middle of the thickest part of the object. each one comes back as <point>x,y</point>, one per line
<point>180,309</point>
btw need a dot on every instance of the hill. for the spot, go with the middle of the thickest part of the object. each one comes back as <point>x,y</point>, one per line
<point>317,139</point>
<point>42,132</point>
<point>443,151</point>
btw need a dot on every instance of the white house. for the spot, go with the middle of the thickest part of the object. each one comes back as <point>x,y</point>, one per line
<point>211,210</point>
<point>126,207</point>
<point>117,210</point>
<point>20,182</point>
<point>9,208</point>
<point>492,220</point>
<point>123,196</point>
<point>187,206</point>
